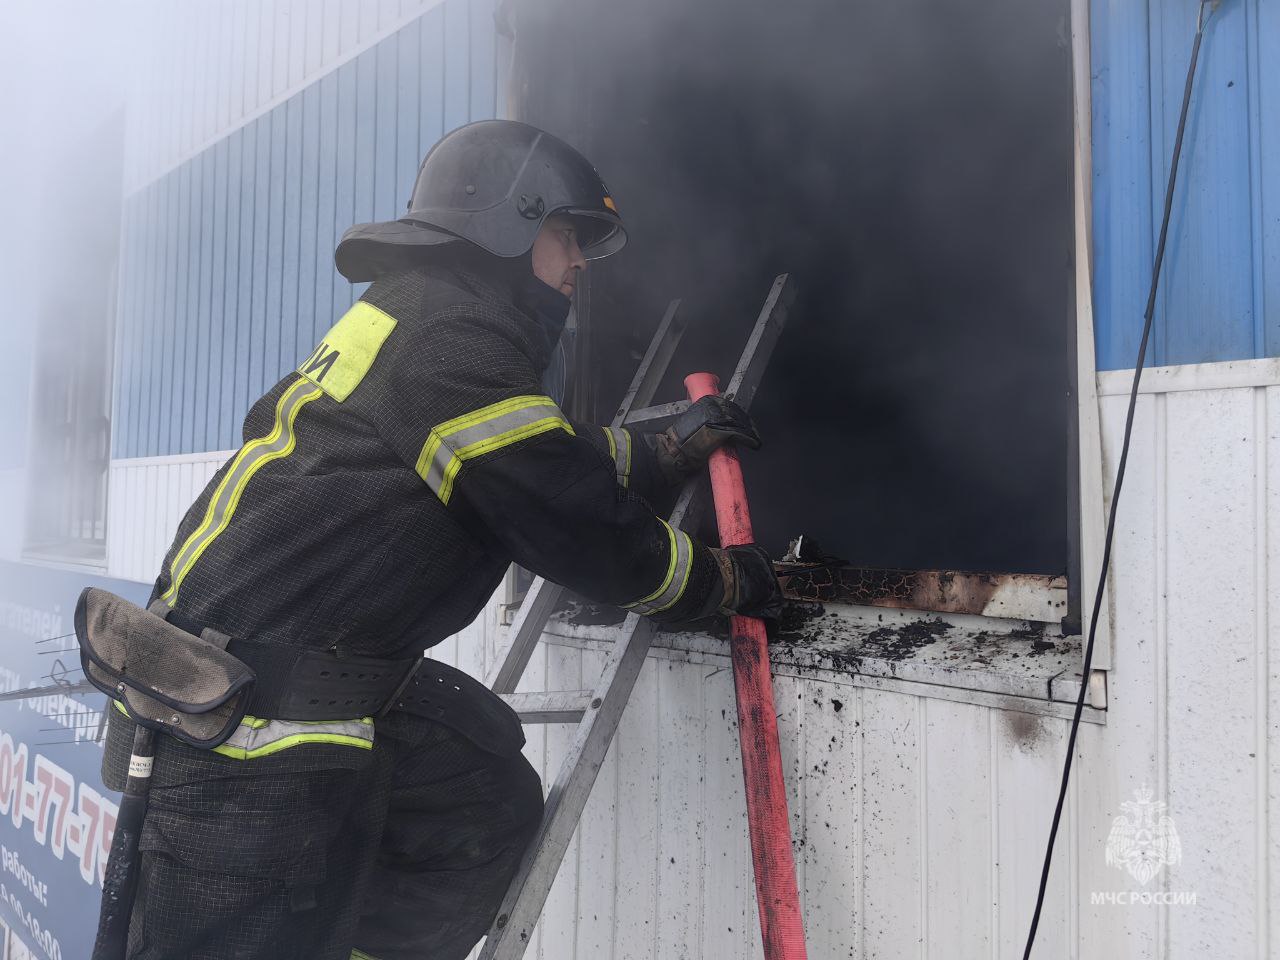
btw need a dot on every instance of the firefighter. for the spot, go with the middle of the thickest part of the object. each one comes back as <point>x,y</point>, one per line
<point>382,490</point>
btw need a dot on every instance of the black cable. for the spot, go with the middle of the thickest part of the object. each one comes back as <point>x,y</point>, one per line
<point>1115,493</point>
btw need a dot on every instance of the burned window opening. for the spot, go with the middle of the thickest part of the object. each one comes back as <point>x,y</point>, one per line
<point>910,165</point>
<point>1012,596</point>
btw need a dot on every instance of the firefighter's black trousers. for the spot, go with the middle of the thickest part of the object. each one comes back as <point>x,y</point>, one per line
<point>320,852</point>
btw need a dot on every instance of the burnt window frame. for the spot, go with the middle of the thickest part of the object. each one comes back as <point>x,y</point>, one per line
<point>1085,495</point>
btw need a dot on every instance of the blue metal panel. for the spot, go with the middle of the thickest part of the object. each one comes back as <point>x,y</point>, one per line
<point>162,306</point>
<point>326,196</point>
<point>231,305</point>
<point>244,280</point>
<point>408,87</point>
<point>386,202</point>
<point>1264,60</point>
<point>431,97</point>
<point>134,316</point>
<point>290,261</point>
<point>272,255</point>
<point>457,65</point>
<point>1222,259</point>
<point>162,395</point>
<point>153,285</point>
<point>308,182</point>
<point>181,322</point>
<point>228,272</point>
<point>259,257</point>
<point>126,329</point>
<point>483,47</point>
<point>1208,293</point>
<point>207,228</point>
<point>216,291</point>
<point>366,133</point>
<point>344,179</point>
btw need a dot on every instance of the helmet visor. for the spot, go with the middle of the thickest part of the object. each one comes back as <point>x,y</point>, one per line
<point>599,234</point>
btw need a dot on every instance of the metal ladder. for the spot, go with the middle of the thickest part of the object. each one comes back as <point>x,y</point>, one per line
<point>598,712</point>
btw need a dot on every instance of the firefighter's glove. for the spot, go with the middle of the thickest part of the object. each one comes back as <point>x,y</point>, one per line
<point>751,588</point>
<point>707,425</point>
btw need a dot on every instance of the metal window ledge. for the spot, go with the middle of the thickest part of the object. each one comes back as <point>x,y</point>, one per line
<point>1007,665</point>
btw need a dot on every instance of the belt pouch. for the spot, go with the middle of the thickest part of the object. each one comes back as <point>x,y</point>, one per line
<point>167,679</point>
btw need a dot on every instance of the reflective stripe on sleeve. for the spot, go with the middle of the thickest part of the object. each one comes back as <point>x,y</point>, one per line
<point>620,450</point>
<point>677,578</point>
<point>483,431</point>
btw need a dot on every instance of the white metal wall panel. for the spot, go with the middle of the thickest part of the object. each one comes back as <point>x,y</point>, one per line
<point>1268,685</point>
<point>890,815</point>
<point>919,822</point>
<point>908,816</point>
<point>1193,694</point>
<point>212,65</point>
<point>146,500</point>
<point>1212,518</point>
<point>1117,759</point>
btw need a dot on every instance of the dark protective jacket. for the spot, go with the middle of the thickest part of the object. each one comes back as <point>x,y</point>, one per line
<point>385,485</point>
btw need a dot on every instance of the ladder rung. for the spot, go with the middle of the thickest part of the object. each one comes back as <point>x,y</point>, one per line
<point>655,419</point>
<point>560,706</point>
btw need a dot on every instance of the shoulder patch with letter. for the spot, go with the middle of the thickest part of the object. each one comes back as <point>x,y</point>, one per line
<point>348,350</point>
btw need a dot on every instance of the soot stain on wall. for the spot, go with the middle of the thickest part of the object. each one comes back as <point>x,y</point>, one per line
<point>910,165</point>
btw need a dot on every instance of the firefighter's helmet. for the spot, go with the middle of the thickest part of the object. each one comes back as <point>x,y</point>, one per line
<point>492,184</point>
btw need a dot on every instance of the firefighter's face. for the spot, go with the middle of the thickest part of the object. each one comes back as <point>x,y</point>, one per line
<point>557,260</point>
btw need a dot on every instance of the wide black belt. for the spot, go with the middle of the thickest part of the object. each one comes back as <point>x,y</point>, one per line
<point>299,683</point>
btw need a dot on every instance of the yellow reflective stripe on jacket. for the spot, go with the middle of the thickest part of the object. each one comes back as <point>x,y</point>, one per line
<point>483,431</point>
<point>673,585</point>
<point>620,451</point>
<point>253,456</point>
<point>361,955</point>
<point>258,737</point>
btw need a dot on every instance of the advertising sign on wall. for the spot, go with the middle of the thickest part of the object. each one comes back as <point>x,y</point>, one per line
<point>56,819</point>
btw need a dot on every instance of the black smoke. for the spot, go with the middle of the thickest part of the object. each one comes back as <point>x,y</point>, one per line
<point>909,163</point>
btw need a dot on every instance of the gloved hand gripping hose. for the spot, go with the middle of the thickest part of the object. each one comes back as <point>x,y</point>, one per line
<point>781,926</point>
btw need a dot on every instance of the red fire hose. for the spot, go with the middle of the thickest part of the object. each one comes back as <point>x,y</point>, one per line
<point>781,926</point>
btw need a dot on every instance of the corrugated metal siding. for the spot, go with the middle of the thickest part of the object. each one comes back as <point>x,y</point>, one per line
<point>228,275</point>
<point>208,65</point>
<point>1221,288</point>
